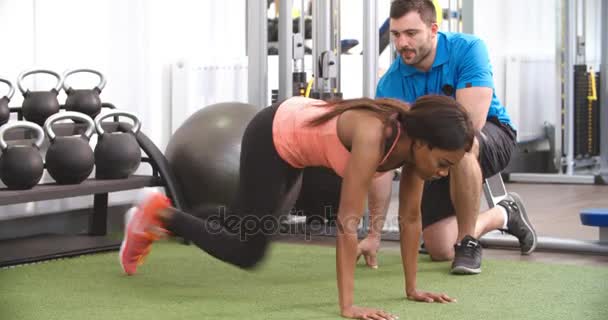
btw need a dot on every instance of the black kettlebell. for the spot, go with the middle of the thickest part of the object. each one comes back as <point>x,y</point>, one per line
<point>117,154</point>
<point>39,105</point>
<point>21,165</point>
<point>86,101</point>
<point>69,159</point>
<point>5,111</point>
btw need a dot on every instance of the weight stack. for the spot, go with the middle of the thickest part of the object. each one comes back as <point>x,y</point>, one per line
<point>299,84</point>
<point>274,96</point>
<point>581,90</point>
<point>595,134</point>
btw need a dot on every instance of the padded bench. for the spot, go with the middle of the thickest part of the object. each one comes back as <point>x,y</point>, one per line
<point>596,217</point>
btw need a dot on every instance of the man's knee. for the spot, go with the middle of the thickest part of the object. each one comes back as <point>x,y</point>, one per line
<point>440,253</point>
<point>438,248</point>
<point>439,238</point>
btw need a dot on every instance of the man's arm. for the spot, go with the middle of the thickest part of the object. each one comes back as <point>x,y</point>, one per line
<point>476,100</point>
<point>474,84</point>
<point>379,198</point>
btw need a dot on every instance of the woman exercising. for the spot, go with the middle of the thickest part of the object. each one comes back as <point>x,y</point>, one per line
<point>359,139</point>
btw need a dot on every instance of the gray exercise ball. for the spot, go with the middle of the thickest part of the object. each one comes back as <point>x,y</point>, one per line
<point>204,154</point>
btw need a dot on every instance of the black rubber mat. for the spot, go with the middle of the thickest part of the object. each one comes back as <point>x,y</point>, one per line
<point>48,247</point>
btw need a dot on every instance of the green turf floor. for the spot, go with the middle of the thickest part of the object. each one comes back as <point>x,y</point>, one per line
<point>295,282</point>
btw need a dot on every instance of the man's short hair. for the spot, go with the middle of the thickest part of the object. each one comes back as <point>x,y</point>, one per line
<point>425,8</point>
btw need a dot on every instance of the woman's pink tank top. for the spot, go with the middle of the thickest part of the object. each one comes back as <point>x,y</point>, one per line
<point>301,145</point>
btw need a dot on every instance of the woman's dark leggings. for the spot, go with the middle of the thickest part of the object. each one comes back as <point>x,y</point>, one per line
<point>268,188</point>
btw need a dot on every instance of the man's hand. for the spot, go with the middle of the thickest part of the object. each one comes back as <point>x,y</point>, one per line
<point>355,312</point>
<point>423,296</point>
<point>369,247</point>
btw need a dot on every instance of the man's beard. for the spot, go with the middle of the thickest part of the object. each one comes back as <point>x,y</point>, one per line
<point>419,55</point>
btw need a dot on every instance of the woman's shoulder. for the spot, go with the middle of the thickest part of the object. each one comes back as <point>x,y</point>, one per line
<point>363,125</point>
<point>302,101</point>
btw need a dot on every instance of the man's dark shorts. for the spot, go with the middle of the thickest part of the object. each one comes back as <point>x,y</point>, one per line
<point>496,144</point>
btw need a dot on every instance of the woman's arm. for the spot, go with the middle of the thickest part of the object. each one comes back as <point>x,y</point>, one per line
<point>366,153</point>
<point>410,225</point>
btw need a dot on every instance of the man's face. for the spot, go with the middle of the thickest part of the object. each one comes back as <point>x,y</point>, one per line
<point>412,37</point>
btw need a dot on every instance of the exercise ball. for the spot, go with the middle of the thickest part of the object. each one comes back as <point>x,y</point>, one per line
<point>204,154</point>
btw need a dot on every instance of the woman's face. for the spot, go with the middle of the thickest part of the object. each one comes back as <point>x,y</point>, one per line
<point>435,163</point>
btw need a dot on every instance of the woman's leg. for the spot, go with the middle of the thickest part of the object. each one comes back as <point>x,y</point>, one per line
<point>267,189</point>
<point>239,235</point>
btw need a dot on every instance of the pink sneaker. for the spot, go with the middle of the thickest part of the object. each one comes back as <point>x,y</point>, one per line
<point>140,223</point>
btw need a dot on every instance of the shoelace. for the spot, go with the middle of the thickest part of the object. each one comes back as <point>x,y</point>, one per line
<point>469,249</point>
<point>512,206</point>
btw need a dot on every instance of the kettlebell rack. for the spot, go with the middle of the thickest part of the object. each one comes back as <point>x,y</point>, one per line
<point>97,225</point>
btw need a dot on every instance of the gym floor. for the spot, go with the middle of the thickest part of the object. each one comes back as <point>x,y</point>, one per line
<point>575,288</point>
<point>552,208</point>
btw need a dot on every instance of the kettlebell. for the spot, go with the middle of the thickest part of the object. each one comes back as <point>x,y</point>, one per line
<point>69,159</point>
<point>117,154</point>
<point>86,101</point>
<point>5,111</point>
<point>39,105</point>
<point>21,165</point>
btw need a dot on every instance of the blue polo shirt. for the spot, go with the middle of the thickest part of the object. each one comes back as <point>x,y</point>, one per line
<point>461,61</point>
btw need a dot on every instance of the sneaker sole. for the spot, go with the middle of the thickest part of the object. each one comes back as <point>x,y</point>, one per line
<point>465,270</point>
<point>128,217</point>
<point>524,217</point>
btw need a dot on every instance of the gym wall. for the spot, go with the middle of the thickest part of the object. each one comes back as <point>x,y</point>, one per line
<point>132,42</point>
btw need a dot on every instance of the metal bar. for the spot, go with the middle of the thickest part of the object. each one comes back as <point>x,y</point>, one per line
<point>549,244</point>
<point>393,53</point>
<point>392,50</point>
<point>568,93</point>
<point>467,16</point>
<point>257,53</point>
<point>496,240</point>
<point>370,47</point>
<point>551,178</point>
<point>302,27</point>
<point>603,92</point>
<point>300,65</point>
<point>580,31</point>
<point>321,38</point>
<point>558,150</point>
<point>285,50</point>
<point>370,67</point>
<point>99,219</point>
<point>336,42</point>
<point>51,190</point>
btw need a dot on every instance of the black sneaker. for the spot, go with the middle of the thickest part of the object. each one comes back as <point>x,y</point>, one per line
<point>467,256</point>
<point>518,223</point>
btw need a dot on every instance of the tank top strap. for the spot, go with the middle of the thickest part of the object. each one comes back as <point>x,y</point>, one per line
<point>391,142</point>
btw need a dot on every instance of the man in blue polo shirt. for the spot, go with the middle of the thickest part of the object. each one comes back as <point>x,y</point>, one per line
<point>456,65</point>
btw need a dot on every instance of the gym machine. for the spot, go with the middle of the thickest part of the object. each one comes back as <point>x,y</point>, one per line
<point>580,151</point>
